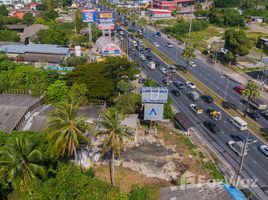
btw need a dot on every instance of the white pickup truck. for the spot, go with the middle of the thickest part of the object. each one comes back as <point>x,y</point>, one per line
<point>197,110</point>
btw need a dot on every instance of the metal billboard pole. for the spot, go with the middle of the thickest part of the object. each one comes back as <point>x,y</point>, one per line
<point>89,33</point>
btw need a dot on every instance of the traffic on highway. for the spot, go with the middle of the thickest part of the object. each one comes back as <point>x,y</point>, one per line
<point>224,133</point>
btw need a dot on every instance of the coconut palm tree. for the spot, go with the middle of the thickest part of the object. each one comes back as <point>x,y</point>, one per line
<point>66,130</point>
<point>114,134</point>
<point>188,53</point>
<point>20,161</point>
<point>251,91</point>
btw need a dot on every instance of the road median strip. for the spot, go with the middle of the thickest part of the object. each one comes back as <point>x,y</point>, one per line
<point>254,127</point>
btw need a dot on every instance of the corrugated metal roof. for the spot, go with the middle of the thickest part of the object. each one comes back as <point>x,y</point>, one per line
<point>34,48</point>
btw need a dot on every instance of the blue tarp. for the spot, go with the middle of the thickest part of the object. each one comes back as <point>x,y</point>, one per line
<point>234,193</point>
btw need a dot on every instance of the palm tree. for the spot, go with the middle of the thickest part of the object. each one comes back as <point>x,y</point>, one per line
<point>114,134</point>
<point>19,160</point>
<point>188,53</point>
<point>251,91</point>
<point>66,130</point>
<point>143,22</point>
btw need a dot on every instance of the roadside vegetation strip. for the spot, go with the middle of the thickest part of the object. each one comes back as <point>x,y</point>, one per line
<point>254,127</point>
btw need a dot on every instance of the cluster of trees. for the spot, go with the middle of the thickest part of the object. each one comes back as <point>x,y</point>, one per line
<point>182,27</point>
<point>36,165</point>
<point>24,77</point>
<point>101,79</point>
<point>237,42</point>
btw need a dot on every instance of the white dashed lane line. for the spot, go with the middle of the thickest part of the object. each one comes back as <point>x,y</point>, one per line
<point>225,121</point>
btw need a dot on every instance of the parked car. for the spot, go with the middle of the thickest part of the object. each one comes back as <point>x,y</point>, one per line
<point>176,93</point>
<point>264,150</point>
<point>207,98</point>
<point>192,64</point>
<point>239,89</point>
<point>163,70</point>
<point>212,127</point>
<point>156,44</point>
<point>190,84</point>
<point>179,84</point>
<point>169,45</point>
<point>142,80</point>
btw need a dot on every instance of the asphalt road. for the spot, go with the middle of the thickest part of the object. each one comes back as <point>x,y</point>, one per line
<point>216,81</point>
<point>255,164</point>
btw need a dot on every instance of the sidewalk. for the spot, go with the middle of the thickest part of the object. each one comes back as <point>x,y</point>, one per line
<point>236,77</point>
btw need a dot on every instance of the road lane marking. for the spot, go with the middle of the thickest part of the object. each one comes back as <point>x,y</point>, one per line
<point>234,129</point>
<point>225,121</point>
<point>255,161</point>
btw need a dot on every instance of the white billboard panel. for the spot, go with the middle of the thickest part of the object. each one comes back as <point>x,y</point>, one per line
<point>153,112</point>
<point>154,94</point>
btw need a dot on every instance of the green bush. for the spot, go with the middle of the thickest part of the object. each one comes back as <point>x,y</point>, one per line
<point>139,193</point>
<point>182,27</point>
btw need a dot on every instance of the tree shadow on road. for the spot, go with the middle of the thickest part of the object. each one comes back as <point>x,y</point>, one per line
<point>228,105</point>
<point>264,133</point>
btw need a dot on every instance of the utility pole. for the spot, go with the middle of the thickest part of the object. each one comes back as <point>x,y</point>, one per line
<point>242,157</point>
<point>191,20</point>
<point>89,33</point>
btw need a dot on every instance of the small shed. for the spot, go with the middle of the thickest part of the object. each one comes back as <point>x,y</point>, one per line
<point>255,19</point>
<point>182,121</point>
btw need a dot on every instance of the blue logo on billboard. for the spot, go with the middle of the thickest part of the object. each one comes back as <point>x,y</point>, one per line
<point>152,112</point>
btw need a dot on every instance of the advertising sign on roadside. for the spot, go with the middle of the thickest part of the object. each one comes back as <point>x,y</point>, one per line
<point>153,112</point>
<point>88,15</point>
<point>105,15</point>
<point>154,94</point>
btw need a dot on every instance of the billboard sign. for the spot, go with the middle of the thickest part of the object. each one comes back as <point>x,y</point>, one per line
<point>154,94</point>
<point>111,50</point>
<point>106,26</point>
<point>88,15</point>
<point>105,15</point>
<point>153,112</point>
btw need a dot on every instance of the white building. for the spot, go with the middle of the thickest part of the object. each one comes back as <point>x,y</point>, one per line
<point>6,2</point>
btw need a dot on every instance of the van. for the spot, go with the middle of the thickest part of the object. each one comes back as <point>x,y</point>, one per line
<point>194,96</point>
<point>239,123</point>
<point>142,57</point>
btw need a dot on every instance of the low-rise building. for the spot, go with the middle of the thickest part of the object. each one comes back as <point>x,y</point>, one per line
<point>159,13</point>
<point>33,53</point>
<point>255,19</point>
<point>171,4</point>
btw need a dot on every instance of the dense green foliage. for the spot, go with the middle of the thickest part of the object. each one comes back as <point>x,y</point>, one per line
<point>128,103</point>
<point>17,76</point>
<point>53,35</point>
<point>226,17</point>
<point>140,193</point>
<point>227,3</point>
<point>237,42</point>
<point>57,92</point>
<point>70,184</point>
<point>102,78</point>
<point>9,36</point>
<point>182,27</point>
<point>28,18</point>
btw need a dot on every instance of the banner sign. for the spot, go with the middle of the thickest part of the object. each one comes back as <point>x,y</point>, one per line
<point>89,15</point>
<point>105,15</point>
<point>154,94</point>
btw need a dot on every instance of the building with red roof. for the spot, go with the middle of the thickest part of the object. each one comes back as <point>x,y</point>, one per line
<point>170,4</point>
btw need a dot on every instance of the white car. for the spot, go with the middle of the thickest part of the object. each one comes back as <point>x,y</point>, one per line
<point>192,64</point>
<point>156,44</point>
<point>264,150</point>
<point>190,84</point>
<point>169,45</point>
<point>197,110</point>
<point>237,147</point>
<point>163,70</point>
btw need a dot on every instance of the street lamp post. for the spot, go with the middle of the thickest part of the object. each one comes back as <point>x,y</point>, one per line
<point>191,19</point>
<point>242,157</point>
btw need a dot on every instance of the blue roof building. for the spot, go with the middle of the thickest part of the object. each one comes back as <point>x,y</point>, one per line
<point>35,49</point>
